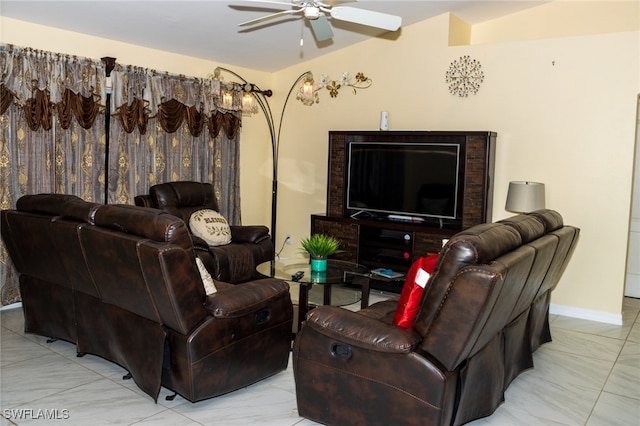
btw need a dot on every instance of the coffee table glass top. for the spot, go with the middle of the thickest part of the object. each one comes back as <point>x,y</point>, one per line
<point>339,274</point>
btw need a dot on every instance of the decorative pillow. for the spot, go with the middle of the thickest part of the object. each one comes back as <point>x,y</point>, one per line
<point>207,280</point>
<point>414,285</point>
<point>210,226</point>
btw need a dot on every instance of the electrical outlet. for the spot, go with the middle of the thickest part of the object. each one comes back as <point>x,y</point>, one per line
<point>288,239</point>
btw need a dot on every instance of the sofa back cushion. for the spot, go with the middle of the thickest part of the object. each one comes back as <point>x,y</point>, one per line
<point>183,198</point>
<point>113,261</point>
<point>30,244</point>
<point>156,277</point>
<point>476,246</point>
<point>174,284</point>
<point>533,230</point>
<point>465,304</point>
<point>68,206</point>
<point>487,277</point>
<point>528,226</point>
<point>27,232</point>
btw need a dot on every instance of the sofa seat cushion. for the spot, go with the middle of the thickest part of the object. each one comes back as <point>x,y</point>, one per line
<point>211,226</point>
<point>363,331</point>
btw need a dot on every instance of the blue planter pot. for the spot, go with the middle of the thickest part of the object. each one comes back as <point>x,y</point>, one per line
<point>318,264</point>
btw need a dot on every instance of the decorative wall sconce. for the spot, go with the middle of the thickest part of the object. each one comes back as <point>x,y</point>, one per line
<point>525,197</point>
<point>307,94</point>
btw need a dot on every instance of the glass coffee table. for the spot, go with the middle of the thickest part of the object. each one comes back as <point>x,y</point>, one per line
<point>344,283</point>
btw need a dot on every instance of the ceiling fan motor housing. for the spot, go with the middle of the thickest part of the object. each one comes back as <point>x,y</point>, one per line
<point>311,12</point>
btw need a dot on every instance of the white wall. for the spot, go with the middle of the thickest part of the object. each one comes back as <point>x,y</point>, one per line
<point>564,110</point>
<point>632,284</point>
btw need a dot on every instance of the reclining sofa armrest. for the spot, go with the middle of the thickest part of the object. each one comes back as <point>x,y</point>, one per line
<point>249,233</point>
<point>361,331</point>
<point>246,298</point>
<point>199,243</point>
<point>143,201</point>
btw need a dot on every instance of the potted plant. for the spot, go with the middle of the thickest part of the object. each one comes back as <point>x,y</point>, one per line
<point>319,247</point>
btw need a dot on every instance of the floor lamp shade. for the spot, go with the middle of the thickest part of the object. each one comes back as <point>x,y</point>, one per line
<point>524,197</point>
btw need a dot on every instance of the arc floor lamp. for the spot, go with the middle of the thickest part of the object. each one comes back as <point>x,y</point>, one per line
<point>307,94</point>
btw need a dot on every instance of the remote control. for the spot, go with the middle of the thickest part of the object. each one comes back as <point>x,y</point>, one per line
<point>296,277</point>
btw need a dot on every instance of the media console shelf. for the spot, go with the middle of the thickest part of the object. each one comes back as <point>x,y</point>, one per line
<point>396,244</point>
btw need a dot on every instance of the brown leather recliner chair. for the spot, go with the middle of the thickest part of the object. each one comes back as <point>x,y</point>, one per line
<point>234,262</point>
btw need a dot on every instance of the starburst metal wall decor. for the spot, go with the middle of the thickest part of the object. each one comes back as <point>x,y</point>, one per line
<point>464,76</point>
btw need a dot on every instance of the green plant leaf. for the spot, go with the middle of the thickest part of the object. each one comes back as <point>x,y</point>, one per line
<point>320,245</point>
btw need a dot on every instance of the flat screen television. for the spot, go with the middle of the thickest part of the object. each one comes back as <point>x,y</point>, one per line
<point>405,181</point>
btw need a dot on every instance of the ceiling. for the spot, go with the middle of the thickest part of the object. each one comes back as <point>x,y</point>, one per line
<point>208,29</point>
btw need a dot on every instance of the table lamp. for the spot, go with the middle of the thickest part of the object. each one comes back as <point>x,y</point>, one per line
<point>525,197</point>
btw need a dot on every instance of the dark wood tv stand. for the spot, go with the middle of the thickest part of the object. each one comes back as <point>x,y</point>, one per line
<point>397,244</point>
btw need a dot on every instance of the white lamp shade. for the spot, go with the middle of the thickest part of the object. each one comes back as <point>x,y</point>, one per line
<point>524,197</point>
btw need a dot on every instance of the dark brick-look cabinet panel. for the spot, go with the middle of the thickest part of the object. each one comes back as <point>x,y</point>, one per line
<point>478,182</point>
<point>345,231</point>
<point>337,170</point>
<point>426,243</point>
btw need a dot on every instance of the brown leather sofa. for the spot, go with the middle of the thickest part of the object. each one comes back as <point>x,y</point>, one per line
<point>483,313</point>
<point>233,263</point>
<point>122,282</point>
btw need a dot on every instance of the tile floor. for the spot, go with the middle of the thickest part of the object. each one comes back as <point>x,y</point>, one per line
<point>589,375</point>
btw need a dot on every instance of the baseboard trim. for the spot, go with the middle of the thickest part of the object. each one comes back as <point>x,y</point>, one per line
<point>586,314</point>
<point>11,306</point>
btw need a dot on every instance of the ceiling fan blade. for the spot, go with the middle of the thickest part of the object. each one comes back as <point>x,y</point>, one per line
<point>268,17</point>
<point>321,28</point>
<point>331,3</point>
<point>367,17</point>
<point>286,3</point>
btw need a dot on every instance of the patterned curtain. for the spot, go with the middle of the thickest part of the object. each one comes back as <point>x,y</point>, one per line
<point>52,118</point>
<point>170,127</point>
<point>53,134</point>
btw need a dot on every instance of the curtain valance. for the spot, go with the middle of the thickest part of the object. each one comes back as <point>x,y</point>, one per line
<point>46,83</point>
<point>139,94</point>
<point>27,71</point>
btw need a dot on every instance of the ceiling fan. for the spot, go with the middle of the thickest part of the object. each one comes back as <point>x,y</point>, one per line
<point>316,13</point>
